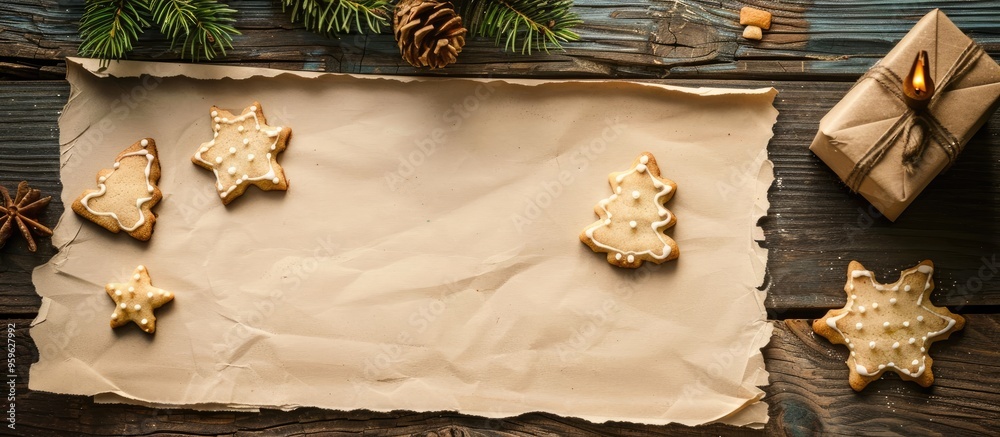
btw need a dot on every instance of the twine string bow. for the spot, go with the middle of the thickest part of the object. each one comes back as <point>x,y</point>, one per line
<point>914,128</point>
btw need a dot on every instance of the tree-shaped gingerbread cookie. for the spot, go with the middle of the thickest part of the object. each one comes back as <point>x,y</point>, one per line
<point>633,220</point>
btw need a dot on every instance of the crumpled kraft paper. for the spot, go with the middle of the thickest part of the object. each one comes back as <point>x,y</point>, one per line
<point>426,255</point>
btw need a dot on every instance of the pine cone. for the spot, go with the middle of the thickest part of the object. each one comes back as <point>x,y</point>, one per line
<point>429,32</point>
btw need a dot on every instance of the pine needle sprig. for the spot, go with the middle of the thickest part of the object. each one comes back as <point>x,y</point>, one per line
<point>522,25</point>
<point>109,28</point>
<point>202,28</point>
<point>335,17</point>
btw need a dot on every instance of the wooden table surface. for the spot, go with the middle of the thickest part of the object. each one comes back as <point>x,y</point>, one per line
<point>812,55</point>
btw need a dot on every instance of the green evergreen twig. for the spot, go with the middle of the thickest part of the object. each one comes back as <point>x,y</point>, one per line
<point>202,28</point>
<point>335,17</point>
<point>521,25</point>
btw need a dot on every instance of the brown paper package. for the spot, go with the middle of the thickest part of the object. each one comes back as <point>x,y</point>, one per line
<point>872,140</point>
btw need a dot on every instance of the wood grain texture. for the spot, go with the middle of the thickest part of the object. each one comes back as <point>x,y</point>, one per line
<point>808,395</point>
<point>828,39</point>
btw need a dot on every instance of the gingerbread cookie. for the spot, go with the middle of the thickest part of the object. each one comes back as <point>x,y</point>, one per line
<point>633,220</point>
<point>126,193</point>
<point>136,299</point>
<point>889,327</point>
<point>243,152</point>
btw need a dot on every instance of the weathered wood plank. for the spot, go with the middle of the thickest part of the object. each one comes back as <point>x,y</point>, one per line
<point>826,39</point>
<point>808,395</point>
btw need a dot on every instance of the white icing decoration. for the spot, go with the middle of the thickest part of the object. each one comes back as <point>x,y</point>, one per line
<point>144,143</point>
<point>131,289</point>
<point>862,370</point>
<point>618,256</point>
<point>250,157</point>
<point>892,301</point>
<point>118,292</point>
<point>239,128</point>
<point>640,168</point>
<point>232,150</point>
<point>632,224</point>
<point>635,194</point>
<point>102,189</point>
<point>135,276</point>
<point>114,316</point>
<point>875,305</point>
<point>657,226</point>
<point>276,181</point>
<point>644,160</point>
<point>232,170</point>
<point>270,174</point>
<point>218,160</point>
<point>861,309</point>
<point>123,305</point>
<point>116,165</point>
<point>138,307</point>
<point>631,258</point>
<point>143,322</point>
<point>149,294</point>
<point>214,113</point>
<point>859,326</point>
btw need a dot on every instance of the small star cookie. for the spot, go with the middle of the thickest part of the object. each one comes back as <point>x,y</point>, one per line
<point>633,220</point>
<point>889,327</point>
<point>243,151</point>
<point>136,299</point>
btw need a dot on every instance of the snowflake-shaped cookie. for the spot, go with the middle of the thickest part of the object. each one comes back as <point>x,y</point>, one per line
<point>136,299</point>
<point>889,327</point>
<point>243,151</point>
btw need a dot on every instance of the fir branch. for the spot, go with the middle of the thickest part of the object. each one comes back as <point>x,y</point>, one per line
<point>200,27</point>
<point>109,28</point>
<point>333,17</point>
<point>521,25</point>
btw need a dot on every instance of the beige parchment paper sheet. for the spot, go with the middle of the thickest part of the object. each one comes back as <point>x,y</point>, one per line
<point>426,255</point>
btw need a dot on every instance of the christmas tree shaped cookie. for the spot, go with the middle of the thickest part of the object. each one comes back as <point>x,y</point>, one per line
<point>126,193</point>
<point>889,327</point>
<point>243,151</point>
<point>633,220</point>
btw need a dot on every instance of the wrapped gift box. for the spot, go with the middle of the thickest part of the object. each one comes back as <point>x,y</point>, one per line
<point>889,152</point>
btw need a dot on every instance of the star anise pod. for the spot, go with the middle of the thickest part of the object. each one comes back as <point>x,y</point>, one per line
<point>22,211</point>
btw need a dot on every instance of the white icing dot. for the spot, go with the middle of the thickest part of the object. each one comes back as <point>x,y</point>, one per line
<point>907,287</point>
<point>239,128</point>
<point>135,276</point>
<point>924,338</point>
<point>891,364</point>
<point>640,168</point>
<point>630,258</point>
<point>854,353</point>
<point>922,349</point>
<point>137,307</point>
<point>246,141</point>
<point>225,119</point>
<point>102,179</point>
<point>635,194</point>
<point>131,289</point>
<point>250,157</point>
<point>882,366</point>
<point>895,345</point>
<point>166,293</point>
<point>607,221</point>
<point>871,344</point>
<point>618,190</point>
<point>204,149</point>
<point>214,113</point>
<point>232,150</point>
<point>912,340</point>
<point>218,160</point>
<point>273,147</point>
<point>885,325</point>
<point>879,287</point>
<point>644,159</point>
<point>144,143</point>
<point>268,156</point>
<point>117,164</point>
<point>861,309</point>
<point>874,305</point>
<point>859,326</point>
<point>140,268</point>
<point>114,316</point>
<point>258,127</point>
<point>223,195</point>
<point>118,292</point>
<point>618,256</point>
<point>246,178</point>
<point>892,301</point>
<point>143,322</point>
<point>123,305</point>
<point>217,119</point>
<point>633,224</point>
<point>920,318</point>
<point>667,188</point>
<point>276,180</point>
<point>915,362</point>
<point>906,324</point>
<point>149,294</point>
<point>217,127</point>
<point>854,296</point>
<point>253,108</point>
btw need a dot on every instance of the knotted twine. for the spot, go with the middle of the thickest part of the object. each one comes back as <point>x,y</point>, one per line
<point>914,128</point>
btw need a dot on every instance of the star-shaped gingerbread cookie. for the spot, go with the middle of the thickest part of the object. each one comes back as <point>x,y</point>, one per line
<point>243,151</point>
<point>136,299</point>
<point>889,327</point>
